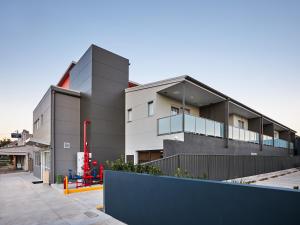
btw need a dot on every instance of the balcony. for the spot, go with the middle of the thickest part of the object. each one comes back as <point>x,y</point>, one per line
<point>190,124</point>
<point>198,125</point>
<point>240,134</point>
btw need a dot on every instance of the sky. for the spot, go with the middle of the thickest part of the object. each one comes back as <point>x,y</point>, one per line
<point>249,50</point>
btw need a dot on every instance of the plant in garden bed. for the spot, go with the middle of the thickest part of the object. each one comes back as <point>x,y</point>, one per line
<point>121,165</point>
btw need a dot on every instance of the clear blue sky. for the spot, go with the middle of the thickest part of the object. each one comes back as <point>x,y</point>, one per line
<point>250,50</point>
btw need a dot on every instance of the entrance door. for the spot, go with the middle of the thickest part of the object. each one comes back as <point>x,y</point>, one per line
<point>45,166</point>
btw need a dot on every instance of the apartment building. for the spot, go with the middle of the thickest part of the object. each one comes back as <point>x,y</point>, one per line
<point>147,122</point>
<point>183,115</point>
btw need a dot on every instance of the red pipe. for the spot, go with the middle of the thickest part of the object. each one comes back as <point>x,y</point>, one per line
<point>86,163</point>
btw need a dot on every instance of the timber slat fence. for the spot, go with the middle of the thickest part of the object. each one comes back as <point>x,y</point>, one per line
<point>223,167</point>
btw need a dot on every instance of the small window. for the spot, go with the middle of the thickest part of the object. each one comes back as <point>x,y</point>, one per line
<point>42,119</point>
<point>174,111</point>
<point>129,115</point>
<point>150,108</point>
<point>241,124</point>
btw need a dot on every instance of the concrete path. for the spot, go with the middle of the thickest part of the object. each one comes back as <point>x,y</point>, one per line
<point>24,203</point>
<point>289,178</point>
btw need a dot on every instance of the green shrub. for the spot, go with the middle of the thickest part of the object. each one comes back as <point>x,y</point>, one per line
<point>121,165</point>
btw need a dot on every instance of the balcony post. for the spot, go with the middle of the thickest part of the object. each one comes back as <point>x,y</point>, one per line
<point>289,140</point>
<point>183,106</point>
<point>261,133</point>
<point>226,123</point>
<point>273,135</point>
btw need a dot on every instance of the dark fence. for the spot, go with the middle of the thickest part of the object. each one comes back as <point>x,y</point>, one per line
<point>224,167</point>
<point>139,199</point>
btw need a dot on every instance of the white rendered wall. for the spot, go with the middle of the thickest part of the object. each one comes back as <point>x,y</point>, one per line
<point>234,121</point>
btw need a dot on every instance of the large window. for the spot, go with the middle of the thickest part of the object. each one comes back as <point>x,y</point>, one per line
<point>129,115</point>
<point>150,108</point>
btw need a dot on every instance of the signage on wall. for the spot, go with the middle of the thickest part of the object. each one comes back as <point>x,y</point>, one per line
<point>67,145</point>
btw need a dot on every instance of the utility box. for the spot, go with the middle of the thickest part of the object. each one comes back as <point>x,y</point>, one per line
<point>80,162</point>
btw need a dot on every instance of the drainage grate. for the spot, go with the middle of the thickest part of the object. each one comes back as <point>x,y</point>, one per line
<point>91,214</point>
<point>37,182</point>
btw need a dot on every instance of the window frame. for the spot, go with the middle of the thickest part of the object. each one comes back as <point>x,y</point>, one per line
<point>129,115</point>
<point>150,105</point>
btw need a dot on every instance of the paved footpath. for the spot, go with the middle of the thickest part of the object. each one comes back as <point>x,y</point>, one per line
<point>24,203</point>
<point>289,178</point>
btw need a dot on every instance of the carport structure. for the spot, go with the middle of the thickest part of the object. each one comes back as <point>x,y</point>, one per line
<point>20,156</point>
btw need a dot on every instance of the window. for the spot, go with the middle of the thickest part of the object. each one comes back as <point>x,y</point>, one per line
<point>241,124</point>
<point>129,115</point>
<point>186,111</point>
<point>174,111</point>
<point>36,124</point>
<point>150,108</point>
<point>37,159</point>
<point>42,119</point>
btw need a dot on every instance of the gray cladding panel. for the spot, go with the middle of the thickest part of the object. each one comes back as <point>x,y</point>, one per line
<point>103,56</point>
<point>101,77</point>
<point>67,129</point>
<point>43,134</point>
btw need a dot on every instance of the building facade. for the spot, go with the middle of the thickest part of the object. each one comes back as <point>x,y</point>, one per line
<point>183,115</point>
<point>147,122</point>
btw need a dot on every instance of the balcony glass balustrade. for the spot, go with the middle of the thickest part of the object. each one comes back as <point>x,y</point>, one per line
<point>279,143</point>
<point>199,125</point>
<point>190,124</point>
<point>240,134</point>
<point>267,140</point>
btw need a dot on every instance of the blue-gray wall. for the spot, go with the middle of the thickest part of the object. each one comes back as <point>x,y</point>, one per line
<point>101,77</point>
<point>200,144</point>
<point>150,200</point>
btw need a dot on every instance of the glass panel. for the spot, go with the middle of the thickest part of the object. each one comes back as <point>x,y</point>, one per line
<point>230,132</point>
<point>242,135</point>
<point>189,123</point>
<point>218,129</point>
<point>267,140</point>
<point>164,126</point>
<point>222,130</point>
<point>247,135</point>
<point>281,143</point>
<point>236,133</point>
<point>291,145</point>
<point>200,125</point>
<point>176,123</point>
<point>210,128</point>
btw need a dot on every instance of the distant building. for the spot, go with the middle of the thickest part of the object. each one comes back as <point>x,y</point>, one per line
<point>20,154</point>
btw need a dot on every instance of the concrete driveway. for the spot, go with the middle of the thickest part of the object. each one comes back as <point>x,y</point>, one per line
<point>24,203</point>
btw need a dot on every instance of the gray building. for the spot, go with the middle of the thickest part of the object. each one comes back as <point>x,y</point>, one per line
<point>91,89</point>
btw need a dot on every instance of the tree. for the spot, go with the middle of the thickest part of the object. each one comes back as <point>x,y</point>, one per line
<point>4,141</point>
